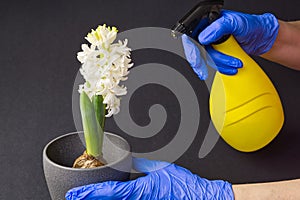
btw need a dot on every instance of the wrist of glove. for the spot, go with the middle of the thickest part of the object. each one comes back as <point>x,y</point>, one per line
<point>163,181</point>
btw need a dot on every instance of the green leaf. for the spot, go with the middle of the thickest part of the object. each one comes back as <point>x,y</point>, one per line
<point>93,133</point>
<point>100,110</point>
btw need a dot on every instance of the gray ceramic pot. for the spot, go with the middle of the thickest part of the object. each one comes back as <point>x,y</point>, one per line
<point>60,153</point>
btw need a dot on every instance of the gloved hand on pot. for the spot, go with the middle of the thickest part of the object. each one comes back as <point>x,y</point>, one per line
<point>256,35</point>
<point>162,181</point>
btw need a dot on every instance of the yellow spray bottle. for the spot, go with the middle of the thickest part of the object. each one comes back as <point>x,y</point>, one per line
<point>245,109</point>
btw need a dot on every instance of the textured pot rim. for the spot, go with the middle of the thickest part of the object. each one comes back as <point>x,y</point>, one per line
<point>127,153</point>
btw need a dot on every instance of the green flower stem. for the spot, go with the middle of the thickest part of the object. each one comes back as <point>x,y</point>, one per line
<point>93,133</point>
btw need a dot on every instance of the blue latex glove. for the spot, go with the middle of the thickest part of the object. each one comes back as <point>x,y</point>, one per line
<point>256,34</point>
<point>219,61</point>
<point>163,181</point>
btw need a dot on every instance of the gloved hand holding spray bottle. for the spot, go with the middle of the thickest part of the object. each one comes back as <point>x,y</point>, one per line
<point>253,111</point>
<point>245,109</point>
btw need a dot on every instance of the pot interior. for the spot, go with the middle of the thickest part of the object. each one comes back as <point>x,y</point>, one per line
<point>64,150</point>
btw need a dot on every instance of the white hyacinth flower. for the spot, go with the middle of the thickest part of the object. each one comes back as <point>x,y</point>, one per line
<point>104,65</point>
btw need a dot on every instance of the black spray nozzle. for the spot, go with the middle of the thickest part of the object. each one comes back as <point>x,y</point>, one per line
<point>198,18</point>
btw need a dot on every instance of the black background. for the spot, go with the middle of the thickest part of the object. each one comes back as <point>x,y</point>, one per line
<point>38,65</point>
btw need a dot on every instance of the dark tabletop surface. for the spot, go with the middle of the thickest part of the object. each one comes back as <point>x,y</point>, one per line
<point>39,41</point>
